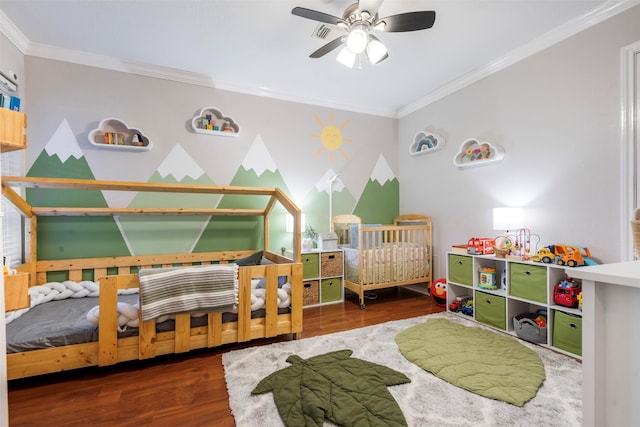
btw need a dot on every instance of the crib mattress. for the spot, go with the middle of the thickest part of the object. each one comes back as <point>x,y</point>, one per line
<point>64,322</point>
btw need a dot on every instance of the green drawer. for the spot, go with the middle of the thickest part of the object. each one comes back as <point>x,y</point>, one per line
<point>490,310</point>
<point>567,332</point>
<point>528,282</point>
<point>461,269</point>
<point>310,266</point>
<point>331,289</point>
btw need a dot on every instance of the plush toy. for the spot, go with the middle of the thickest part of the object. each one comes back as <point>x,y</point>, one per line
<point>438,292</point>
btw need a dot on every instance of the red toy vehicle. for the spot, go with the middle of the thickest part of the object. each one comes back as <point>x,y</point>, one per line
<point>480,246</point>
<point>566,293</point>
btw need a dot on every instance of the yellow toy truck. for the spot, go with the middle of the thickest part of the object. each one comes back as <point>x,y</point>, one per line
<point>573,256</point>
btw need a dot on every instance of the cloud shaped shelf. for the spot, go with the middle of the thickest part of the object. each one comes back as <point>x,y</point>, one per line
<point>114,134</point>
<point>426,142</point>
<point>474,152</point>
<point>211,121</point>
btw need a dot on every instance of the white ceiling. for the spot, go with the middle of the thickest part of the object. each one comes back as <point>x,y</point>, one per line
<point>259,47</point>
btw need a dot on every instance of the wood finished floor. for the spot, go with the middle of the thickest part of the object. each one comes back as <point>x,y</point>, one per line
<point>179,390</point>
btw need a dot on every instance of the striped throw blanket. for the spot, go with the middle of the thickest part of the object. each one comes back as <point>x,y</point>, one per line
<point>211,288</point>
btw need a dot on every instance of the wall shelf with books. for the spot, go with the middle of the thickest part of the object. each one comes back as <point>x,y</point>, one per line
<point>211,121</point>
<point>114,134</point>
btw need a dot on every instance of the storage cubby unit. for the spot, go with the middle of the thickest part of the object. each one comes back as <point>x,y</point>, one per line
<point>508,295</point>
<point>211,121</point>
<point>322,275</point>
<point>114,134</point>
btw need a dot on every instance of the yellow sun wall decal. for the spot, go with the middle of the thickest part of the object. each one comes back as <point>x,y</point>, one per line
<point>331,137</point>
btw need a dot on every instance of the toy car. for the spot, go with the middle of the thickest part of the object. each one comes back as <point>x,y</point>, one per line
<point>566,293</point>
<point>467,308</point>
<point>458,303</point>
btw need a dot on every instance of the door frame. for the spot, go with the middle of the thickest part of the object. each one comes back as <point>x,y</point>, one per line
<point>630,66</point>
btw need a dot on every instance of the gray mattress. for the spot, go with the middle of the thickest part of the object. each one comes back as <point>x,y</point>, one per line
<point>64,322</point>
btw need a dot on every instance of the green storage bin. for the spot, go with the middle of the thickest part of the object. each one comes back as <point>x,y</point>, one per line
<point>330,290</point>
<point>310,266</point>
<point>490,310</point>
<point>461,269</point>
<point>567,332</point>
<point>528,282</point>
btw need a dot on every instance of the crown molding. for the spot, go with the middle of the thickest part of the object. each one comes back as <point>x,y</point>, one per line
<point>599,14</point>
<point>13,33</point>
<point>116,64</point>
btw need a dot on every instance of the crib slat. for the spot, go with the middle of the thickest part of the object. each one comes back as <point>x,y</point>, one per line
<point>183,333</point>
<point>214,336</point>
<point>146,338</point>
<point>108,322</point>
<point>98,273</point>
<point>244,304</point>
<point>296,299</point>
<point>271,302</point>
<point>75,275</point>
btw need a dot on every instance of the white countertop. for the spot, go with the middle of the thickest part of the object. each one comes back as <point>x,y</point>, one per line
<point>621,273</point>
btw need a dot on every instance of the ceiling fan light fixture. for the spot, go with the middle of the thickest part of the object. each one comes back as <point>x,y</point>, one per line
<point>376,51</point>
<point>346,57</point>
<point>358,37</point>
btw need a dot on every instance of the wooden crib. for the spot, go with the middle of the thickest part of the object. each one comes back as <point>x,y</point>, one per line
<point>378,256</point>
<point>117,273</point>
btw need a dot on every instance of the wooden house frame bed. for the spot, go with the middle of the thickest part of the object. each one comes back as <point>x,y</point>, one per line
<point>117,273</point>
<point>383,256</point>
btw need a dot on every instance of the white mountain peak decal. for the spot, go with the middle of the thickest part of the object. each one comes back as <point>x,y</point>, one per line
<point>179,164</point>
<point>63,143</point>
<point>382,171</point>
<point>258,158</point>
<point>324,184</point>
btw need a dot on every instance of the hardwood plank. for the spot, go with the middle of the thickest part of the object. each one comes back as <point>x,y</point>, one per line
<point>185,389</point>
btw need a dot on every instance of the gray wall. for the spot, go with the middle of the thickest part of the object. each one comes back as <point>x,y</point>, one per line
<point>163,110</point>
<point>557,115</point>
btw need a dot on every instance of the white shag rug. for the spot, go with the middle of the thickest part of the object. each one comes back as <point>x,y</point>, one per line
<point>426,401</point>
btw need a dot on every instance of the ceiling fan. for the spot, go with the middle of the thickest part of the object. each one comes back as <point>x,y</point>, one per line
<point>357,22</point>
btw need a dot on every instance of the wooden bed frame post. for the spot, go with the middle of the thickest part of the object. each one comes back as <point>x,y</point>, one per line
<point>108,325</point>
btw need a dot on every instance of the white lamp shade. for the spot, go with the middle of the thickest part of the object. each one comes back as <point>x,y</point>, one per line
<point>346,57</point>
<point>507,218</point>
<point>376,51</point>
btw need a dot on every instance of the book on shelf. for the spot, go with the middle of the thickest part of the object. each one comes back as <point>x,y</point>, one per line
<point>459,249</point>
<point>14,103</point>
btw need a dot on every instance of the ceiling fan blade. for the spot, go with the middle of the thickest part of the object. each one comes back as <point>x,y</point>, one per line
<point>410,21</point>
<point>317,16</point>
<point>328,47</point>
